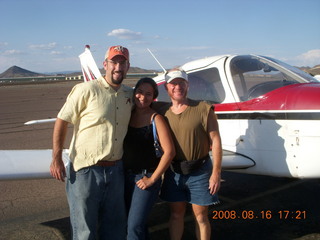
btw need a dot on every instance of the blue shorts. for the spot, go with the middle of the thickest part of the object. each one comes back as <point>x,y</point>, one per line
<point>192,188</point>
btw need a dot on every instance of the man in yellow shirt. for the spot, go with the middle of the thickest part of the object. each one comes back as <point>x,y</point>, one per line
<point>100,112</point>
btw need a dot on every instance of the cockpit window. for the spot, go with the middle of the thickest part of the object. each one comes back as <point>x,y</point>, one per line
<point>254,77</point>
<point>203,85</point>
<point>297,71</point>
<point>206,85</point>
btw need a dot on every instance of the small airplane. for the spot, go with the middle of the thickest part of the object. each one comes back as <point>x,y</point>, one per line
<point>268,114</point>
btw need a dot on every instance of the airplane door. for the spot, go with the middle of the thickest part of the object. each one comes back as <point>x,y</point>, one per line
<point>229,123</point>
<point>229,131</point>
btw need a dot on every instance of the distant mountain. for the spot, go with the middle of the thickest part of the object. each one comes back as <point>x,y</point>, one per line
<point>15,72</point>
<point>139,70</point>
<point>131,70</point>
<point>313,71</point>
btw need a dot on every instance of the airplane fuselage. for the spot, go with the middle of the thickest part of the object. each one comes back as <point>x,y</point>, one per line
<point>268,113</point>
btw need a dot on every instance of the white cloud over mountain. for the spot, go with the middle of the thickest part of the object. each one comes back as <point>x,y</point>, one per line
<point>310,58</point>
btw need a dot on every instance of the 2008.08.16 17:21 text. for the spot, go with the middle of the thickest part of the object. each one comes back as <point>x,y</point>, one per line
<point>264,214</point>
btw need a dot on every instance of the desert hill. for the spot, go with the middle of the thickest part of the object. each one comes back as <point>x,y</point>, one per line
<point>313,71</point>
<point>16,72</point>
<point>131,70</point>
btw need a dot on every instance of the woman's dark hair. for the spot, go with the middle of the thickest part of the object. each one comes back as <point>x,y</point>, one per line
<point>151,82</point>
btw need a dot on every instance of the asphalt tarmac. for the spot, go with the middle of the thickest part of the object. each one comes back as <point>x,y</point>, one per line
<point>251,207</point>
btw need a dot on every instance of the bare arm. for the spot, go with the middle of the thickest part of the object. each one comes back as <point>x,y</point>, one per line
<point>213,130</point>
<point>57,168</point>
<point>168,149</point>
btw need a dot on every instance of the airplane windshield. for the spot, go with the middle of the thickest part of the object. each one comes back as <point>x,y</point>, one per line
<point>254,76</point>
<point>203,85</point>
<point>299,72</point>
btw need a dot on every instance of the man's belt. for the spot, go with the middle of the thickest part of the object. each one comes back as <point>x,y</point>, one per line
<point>106,163</point>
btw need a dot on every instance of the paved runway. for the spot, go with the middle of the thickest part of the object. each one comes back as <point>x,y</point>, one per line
<point>252,207</point>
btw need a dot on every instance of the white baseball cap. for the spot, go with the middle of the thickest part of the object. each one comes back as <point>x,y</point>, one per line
<point>176,74</point>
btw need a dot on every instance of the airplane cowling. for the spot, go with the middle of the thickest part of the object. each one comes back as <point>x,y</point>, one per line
<point>304,96</point>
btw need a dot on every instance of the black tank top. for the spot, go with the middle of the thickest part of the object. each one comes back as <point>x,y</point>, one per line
<point>139,150</point>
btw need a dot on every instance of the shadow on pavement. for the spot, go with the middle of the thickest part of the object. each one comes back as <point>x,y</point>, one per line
<point>252,207</point>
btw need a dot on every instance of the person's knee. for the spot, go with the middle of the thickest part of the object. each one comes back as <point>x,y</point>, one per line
<point>177,215</point>
<point>200,214</point>
<point>202,218</point>
<point>178,211</point>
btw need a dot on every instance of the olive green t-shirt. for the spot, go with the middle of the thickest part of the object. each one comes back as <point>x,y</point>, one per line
<point>189,130</point>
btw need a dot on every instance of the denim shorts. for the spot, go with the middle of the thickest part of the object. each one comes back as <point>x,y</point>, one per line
<point>192,188</point>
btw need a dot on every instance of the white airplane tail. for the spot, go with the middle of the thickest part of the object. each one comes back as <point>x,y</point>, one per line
<point>89,67</point>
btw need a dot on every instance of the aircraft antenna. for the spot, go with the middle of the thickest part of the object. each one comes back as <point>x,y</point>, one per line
<point>164,70</point>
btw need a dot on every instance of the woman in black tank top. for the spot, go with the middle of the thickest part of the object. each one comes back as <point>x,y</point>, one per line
<point>143,170</point>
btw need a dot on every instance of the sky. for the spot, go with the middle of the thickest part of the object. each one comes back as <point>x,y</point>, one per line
<point>47,36</point>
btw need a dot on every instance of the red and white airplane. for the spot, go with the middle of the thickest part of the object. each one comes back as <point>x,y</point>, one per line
<point>268,111</point>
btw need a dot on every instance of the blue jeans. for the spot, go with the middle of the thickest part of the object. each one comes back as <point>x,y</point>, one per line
<point>139,204</point>
<point>96,201</point>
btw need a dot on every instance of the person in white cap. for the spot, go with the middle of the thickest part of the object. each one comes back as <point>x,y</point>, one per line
<point>100,111</point>
<point>193,177</point>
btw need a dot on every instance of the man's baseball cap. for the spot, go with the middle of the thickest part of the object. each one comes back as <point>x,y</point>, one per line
<point>115,51</point>
<point>176,74</point>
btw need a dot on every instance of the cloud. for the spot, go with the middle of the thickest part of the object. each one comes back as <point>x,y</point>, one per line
<point>158,37</point>
<point>310,58</point>
<point>3,44</point>
<point>196,48</point>
<point>12,52</point>
<point>55,53</point>
<point>48,46</point>
<point>125,34</point>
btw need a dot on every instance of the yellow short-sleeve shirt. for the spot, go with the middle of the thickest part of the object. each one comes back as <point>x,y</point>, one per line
<point>100,116</point>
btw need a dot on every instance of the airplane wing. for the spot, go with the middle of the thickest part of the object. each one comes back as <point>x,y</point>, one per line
<point>31,122</point>
<point>27,164</point>
<point>31,164</point>
<point>89,67</point>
